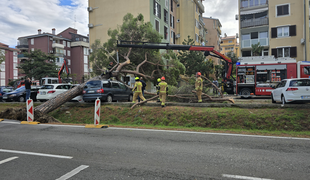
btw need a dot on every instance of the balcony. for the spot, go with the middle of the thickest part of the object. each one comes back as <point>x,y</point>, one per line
<point>57,45</point>
<point>249,42</point>
<point>21,56</point>
<point>80,43</point>
<point>22,47</point>
<point>248,6</point>
<point>254,22</point>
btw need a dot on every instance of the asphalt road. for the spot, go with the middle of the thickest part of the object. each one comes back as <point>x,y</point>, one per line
<point>75,152</point>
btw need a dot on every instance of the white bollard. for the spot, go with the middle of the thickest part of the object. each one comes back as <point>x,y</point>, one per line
<point>30,113</point>
<point>97,112</point>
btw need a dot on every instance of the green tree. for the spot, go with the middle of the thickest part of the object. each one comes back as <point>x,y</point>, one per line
<point>39,65</point>
<point>257,49</point>
<point>2,55</point>
<point>195,61</point>
<point>234,60</point>
<point>174,70</point>
<point>132,29</point>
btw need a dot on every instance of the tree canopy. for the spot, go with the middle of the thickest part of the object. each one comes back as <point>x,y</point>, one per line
<point>257,49</point>
<point>39,65</point>
<point>195,61</point>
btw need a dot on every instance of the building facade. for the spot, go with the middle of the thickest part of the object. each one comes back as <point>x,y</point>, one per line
<point>229,43</point>
<point>280,26</point>
<point>8,67</point>
<point>65,45</point>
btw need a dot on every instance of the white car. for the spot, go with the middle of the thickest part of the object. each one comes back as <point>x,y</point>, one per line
<point>77,98</point>
<point>52,90</point>
<point>292,90</point>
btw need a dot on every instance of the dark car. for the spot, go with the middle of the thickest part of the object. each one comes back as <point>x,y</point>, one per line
<point>106,90</point>
<point>19,94</point>
<point>4,90</point>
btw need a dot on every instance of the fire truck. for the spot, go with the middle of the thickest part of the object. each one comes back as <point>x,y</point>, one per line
<point>258,76</point>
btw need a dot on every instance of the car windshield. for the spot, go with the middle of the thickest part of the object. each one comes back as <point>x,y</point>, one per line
<point>20,89</point>
<point>6,90</point>
<point>47,87</point>
<point>300,82</point>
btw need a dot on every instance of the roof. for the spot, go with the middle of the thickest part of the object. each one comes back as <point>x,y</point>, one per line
<point>5,46</point>
<point>43,34</point>
<point>228,37</point>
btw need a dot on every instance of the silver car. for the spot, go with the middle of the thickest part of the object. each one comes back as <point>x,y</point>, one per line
<point>292,90</point>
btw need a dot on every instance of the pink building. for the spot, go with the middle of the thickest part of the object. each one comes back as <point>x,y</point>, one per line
<point>8,68</point>
<point>67,44</point>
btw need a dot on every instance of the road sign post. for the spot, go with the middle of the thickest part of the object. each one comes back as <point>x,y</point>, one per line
<point>97,116</point>
<point>30,113</point>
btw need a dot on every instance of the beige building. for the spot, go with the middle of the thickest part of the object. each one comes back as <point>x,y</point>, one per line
<point>213,36</point>
<point>230,43</point>
<point>280,26</point>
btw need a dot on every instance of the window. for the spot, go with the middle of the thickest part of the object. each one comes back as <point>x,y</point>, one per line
<point>157,9</point>
<point>32,49</point>
<point>69,62</point>
<point>265,52</point>
<point>197,24</point>
<point>166,32</point>
<point>284,31</point>
<point>157,25</point>
<point>284,52</point>
<point>2,67</point>
<point>196,35</point>
<point>263,34</point>
<point>68,44</point>
<point>69,53</point>
<point>283,10</point>
<point>64,43</point>
<point>32,41</point>
<point>167,4</point>
<point>166,16</point>
<point>85,51</point>
<point>65,52</point>
<point>85,60</point>
<point>15,72</point>
<point>85,68</point>
<point>307,70</point>
<point>171,5</point>
<point>245,36</point>
<point>15,59</point>
<point>229,41</point>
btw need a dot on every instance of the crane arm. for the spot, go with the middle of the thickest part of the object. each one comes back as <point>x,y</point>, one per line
<point>64,66</point>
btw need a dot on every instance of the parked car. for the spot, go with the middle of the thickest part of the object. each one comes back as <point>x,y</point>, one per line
<point>19,94</point>
<point>3,90</point>
<point>77,98</point>
<point>292,90</point>
<point>50,91</point>
<point>106,90</point>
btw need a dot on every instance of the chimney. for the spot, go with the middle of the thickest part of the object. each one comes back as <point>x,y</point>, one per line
<point>39,31</point>
<point>225,34</point>
<point>54,31</point>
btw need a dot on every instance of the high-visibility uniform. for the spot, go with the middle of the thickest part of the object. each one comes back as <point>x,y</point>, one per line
<point>163,88</point>
<point>198,88</point>
<point>138,91</point>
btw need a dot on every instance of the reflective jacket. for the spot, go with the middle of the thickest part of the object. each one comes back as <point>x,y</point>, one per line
<point>138,87</point>
<point>199,83</point>
<point>163,87</point>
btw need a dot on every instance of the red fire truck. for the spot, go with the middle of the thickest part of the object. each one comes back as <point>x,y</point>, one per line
<point>259,75</point>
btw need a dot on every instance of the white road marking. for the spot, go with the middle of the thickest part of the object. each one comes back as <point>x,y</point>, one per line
<point>243,177</point>
<point>208,133</point>
<point>73,172</point>
<point>36,154</point>
<point>8,159</point>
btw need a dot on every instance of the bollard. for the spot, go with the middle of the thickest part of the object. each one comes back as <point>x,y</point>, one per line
<point>30,113</point>
<point>97,116</point>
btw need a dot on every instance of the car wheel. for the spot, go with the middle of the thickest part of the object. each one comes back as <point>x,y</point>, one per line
<point>283,100</point>
<point>245,92</point>
<point>21,99</point>
<point>109,99</point>
<point>130,98</point>
<point>272,100</point>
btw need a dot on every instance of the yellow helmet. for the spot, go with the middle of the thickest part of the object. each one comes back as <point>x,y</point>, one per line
<point>158,80</point>
<point>137,78</point>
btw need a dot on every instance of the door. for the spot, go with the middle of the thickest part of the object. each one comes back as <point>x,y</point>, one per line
<point>123,92</point>
<point>116,90</point>
<point>278,91</point>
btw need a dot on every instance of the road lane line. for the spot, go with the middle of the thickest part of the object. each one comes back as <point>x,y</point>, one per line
<point>35,154</point>
<point>207,133</point>
<point>243,177</point>
<point>8,159</point>
<point>73,172</point>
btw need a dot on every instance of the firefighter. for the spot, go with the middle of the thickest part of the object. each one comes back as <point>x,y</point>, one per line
<point>198,86</point>
<point>157,88</point>
<point>138,90</point>
<point>105,70</point>
<point>163,91</point>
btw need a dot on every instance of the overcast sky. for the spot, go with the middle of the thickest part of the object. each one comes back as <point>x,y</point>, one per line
<point>24,17</point>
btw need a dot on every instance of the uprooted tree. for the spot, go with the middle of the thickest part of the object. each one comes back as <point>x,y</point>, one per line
<point>147,63</point>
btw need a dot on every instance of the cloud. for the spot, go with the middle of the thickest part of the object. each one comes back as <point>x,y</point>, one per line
<point>22,18</point>
<point>225,11</point>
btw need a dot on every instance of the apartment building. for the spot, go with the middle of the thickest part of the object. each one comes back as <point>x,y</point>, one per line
<point>228,44</point>
<point>280,26</point>
<point>8,67</point>
<point>65,45</point>
<point>213,35</point>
